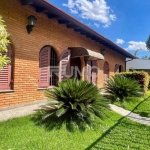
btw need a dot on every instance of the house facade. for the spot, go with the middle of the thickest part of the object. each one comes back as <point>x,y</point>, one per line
<point>57,45</point>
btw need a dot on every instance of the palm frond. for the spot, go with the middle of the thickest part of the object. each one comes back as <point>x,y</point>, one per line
<point>75,101</point>
<point>122,87</point>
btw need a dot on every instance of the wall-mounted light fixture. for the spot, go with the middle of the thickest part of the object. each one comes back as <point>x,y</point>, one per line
<point>31,23</point>
<point>103,51</point>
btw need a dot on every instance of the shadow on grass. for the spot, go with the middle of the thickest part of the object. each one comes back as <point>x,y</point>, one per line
<point>53,122</point>
<point>124,134</point>
<point>50,123</point>
<point>143,114</point>
<point>136,107</point>
<point>104,134</point>
<point>57,123</point>
<point>107,132</point>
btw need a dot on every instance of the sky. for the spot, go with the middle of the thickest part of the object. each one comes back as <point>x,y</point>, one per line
<point>124,22</point>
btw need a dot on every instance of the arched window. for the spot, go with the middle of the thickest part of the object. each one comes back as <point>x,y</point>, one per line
<point>116,69</point>
<point>6,74</point>
<point>48,67</point>
<point>106,71</point>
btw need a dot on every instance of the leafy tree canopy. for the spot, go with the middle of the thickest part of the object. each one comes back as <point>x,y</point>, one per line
<point>148,43</point>
<point>145,57</point>
<point>135,53</point>
<point>4,60</point>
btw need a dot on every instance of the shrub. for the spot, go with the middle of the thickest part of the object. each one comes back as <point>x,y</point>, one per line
<point>4,60</point>
<point>149,83</point>
<point>141,77</point>
<point>75,102</point>
<point>121,87</point>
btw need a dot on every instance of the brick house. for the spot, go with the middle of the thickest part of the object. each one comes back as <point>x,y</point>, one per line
<point>56,40</point>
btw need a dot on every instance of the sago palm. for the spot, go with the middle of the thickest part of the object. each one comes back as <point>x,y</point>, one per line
<point>75,101</point>
<point>122,87</point>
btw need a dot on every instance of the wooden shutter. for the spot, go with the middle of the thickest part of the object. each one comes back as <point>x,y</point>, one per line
<point>5,74</point>
<point>5,78</point>
<point>88,71</point>
<point>94,72</point>
<point>64,65</point>
<point>44,67</point>
<point>106,71</point>
<point>116,69</point>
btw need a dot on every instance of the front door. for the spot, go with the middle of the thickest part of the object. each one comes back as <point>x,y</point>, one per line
<point>75,67</point>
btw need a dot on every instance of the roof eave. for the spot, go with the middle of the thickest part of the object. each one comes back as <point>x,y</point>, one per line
<point>48,8</point>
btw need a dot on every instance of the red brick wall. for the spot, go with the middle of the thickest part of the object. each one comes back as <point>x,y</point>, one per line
<point>27,46</point>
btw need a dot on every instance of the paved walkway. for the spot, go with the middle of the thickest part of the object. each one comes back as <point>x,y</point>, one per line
<point>130,115</point>
<point>19,111</point>
<point>27,109</point>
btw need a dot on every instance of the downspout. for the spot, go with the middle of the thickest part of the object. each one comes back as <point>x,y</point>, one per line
<point>126,63</point>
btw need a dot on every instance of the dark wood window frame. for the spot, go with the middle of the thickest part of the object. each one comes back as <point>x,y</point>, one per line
<point>47,61</point>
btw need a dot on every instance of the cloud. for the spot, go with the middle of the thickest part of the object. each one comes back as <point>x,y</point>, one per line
<point>74,11</point>
<point>119,41</point>
<point>133,45</point>
<point>96,24</point>
<point>95,10</point>
<point>89,24</point>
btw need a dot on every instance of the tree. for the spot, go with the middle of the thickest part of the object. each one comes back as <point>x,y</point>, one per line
<point>135,53</point>
<point>145,57</point>
<point>4,60</point>
<point>148,43</point>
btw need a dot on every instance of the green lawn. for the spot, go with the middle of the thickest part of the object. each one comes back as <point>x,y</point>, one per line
<point>115,133</point>
<point>137,105</point>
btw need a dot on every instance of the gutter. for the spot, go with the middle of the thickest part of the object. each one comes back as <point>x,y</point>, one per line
<point>82,28</point>
<point>126,63</point>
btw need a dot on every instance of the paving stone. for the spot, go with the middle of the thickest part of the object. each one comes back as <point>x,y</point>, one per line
<point>19,111</point>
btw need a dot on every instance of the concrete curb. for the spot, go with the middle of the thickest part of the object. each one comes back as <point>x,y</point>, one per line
<point>130,115</point>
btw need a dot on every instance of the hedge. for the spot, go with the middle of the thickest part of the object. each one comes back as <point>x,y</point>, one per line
<point>141,77</point>
<point>149,83</point>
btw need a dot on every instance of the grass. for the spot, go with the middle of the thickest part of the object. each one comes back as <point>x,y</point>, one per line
<point>114,133</point>
<point>139,105</point>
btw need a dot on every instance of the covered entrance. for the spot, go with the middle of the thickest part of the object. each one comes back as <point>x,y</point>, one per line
<point>70,64</point>
<point>75,68</point>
